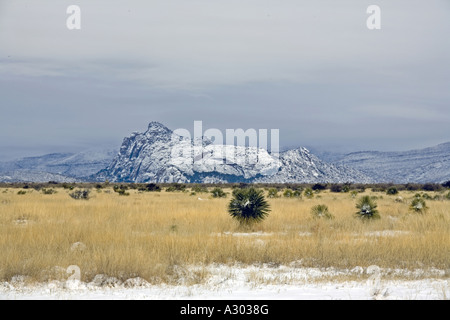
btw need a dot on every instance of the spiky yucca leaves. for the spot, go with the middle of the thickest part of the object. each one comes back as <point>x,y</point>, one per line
<point>309,193</point>
<point>248,206</point>
<point>418,205</point>
<point>367,208</point>
<point>321,211</point>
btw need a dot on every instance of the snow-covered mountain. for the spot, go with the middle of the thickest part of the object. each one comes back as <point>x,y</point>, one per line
<point>159,155</point>
<point>59,167</point>
<point>419,166</point>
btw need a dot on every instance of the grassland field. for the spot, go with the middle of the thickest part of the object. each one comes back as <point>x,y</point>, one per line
<point>157,235</point>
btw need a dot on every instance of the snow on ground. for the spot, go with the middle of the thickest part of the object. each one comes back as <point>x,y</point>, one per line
<point>266,282</point>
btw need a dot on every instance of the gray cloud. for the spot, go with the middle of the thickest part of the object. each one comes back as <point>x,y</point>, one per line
<point>310,68</point>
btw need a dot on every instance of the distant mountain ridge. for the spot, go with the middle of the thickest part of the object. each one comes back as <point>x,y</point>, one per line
<point>149,157</point>
<point>58,167</point>
<point>415,166</point>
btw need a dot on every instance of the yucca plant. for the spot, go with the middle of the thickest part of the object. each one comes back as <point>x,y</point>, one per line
<point>418,205</point>
<point>309,193</point>
<point>321,211</point>
<point>248,206</point>
<point>367,208</point>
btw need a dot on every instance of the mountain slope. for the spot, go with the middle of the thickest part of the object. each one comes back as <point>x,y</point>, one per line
<point>419,166</point>
<point>299,165</point>
<point>65,166</point>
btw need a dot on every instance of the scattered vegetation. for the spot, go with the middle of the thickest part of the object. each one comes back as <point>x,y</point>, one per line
<point>48,191</point>
<point>174,187</point>
<point>272,193</point>
<point>151,187</point>
<point>289,193</point>
<point>151,234</point>
<point>80,194</point>
<point>121,190</point>
<point>199,189</point>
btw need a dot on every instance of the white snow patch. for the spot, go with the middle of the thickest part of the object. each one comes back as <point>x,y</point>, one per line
<point>267,281</point>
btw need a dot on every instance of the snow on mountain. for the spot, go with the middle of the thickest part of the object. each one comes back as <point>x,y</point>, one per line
<point>63,166</point>
<point>33,176</point>
<point>415,166</point>
<point>299,165</point>
<point>159,155</point>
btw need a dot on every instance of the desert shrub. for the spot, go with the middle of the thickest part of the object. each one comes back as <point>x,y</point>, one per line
<point>367,208</point>
<point>248,206</point>
<point>427,196</point>
<point>67,186</point>
<point>321,211</point>
<point>353,193</point>
<point>418,205</point>
<point>431,187</point>
<point>199,189</point>
<point>151,187</point>
<point>319,187</point>
<point>218,193</point>
<point>80,194</point>
<point>121,190</point>
<point>447,196</point>
<point>309,193</point>
<point>21,192</point>
<point>48,191</point>
<point>272,193</point>
<point>346,187</point>
<point>412,187</point>
<point>392,191</point>
<point>336,188</point>
<point>176,187</point>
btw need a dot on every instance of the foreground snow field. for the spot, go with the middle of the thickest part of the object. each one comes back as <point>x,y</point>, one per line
<point>267,282</point>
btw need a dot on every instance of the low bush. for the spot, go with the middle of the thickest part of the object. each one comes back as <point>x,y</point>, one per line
<point>418,205</point>
<point>272,193</point>
<point>48,191</point>
<point>218,193</point>
<point>392,191</point>
<point>80,194</point>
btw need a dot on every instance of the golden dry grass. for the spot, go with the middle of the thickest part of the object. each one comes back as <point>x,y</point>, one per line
<point>154,234</point>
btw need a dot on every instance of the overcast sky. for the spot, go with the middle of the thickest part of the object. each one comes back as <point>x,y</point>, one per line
<point>311,69</point>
